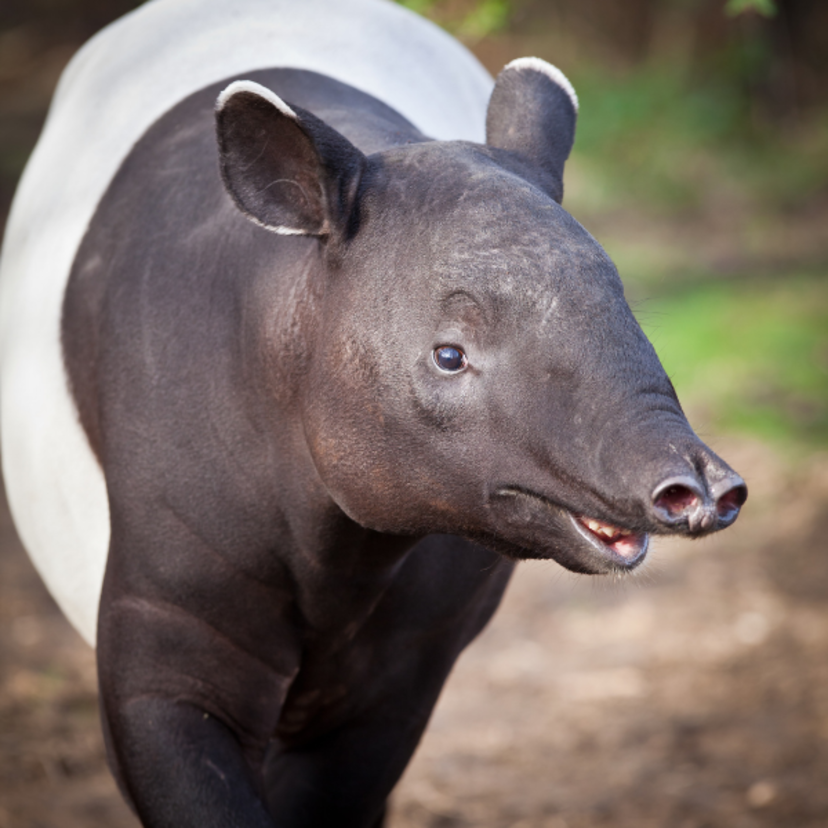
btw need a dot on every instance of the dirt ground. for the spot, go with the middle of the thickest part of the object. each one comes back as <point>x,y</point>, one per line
<point>692,695</point>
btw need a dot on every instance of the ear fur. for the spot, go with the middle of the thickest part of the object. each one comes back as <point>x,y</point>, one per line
<point>532,113</point>
<point>285,169</point>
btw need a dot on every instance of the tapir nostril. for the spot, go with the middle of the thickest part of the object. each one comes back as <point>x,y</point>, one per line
<point>728,504</point>
<point>676,498</point>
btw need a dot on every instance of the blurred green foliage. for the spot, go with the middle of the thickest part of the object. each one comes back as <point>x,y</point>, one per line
<point>469,21</point>
<point>486,18</point>
<point>658,139</point>
<point>748,355</point>
<point>418,6</point>
<point>642,133</point>
<point>764,7</point>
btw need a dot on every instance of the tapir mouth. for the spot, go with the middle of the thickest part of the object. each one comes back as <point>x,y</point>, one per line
<point>626,544</point>
<point>541,528</point>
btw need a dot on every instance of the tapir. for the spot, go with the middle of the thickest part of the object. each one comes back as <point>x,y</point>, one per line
<point>300,354</point>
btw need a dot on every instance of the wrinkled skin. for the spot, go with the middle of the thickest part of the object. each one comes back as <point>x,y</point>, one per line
<point>297,490</point>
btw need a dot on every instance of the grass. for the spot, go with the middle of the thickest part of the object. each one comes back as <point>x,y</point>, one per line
<point>748,356</point>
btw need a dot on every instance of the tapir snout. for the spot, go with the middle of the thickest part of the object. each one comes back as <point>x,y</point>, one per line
<point>587,527</point>
<point>682,486</point>
<point>706,498</point>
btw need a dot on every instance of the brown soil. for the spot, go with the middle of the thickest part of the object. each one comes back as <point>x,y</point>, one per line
<point>694,694</point>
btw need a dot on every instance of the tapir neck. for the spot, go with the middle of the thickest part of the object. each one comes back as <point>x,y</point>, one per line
<point>341,569</point>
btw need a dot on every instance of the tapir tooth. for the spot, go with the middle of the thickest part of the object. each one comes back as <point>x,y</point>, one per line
<point>605,530</point>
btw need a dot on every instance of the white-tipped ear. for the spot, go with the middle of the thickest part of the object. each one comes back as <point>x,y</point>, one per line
<point>284,168</point>
<point>534,64</point>
<point>255,89</point>
<point>532,115</point>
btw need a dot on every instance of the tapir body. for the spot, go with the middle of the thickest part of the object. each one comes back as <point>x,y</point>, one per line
<point>305,382</point>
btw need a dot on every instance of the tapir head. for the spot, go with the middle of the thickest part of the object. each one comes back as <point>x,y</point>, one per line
<point>474,367</point>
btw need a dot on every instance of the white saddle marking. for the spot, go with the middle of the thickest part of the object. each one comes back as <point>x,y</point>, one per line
<point>112,91</point>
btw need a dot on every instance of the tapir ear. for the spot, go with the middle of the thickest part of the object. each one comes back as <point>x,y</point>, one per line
<point>285,169</point>
<point>532,113</point>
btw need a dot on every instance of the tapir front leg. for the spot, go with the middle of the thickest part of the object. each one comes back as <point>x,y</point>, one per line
<point>181,758</point>
<point>343,778</point>
<point>195,660</point>
<point>179,766</point>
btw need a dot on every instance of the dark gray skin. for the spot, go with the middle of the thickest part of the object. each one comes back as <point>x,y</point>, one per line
<point>297,490</point>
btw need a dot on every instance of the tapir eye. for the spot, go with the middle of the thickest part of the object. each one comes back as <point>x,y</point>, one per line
<point>450,359</point>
